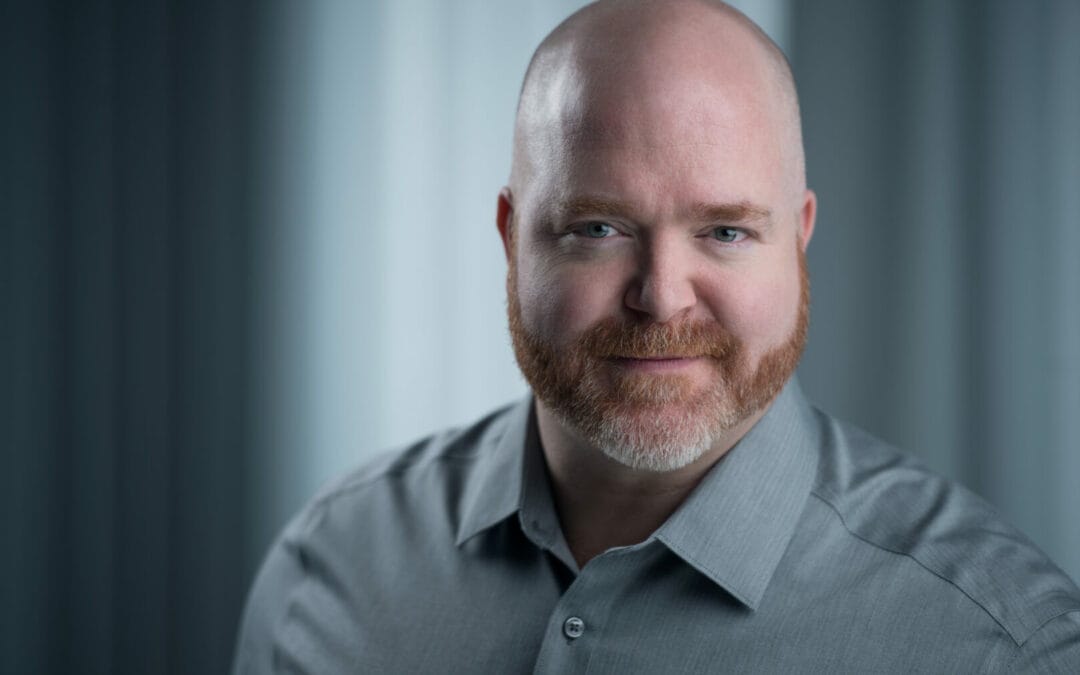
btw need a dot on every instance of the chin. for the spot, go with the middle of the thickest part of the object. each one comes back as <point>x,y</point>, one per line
<point>653,437</point>
<point>644,449</point>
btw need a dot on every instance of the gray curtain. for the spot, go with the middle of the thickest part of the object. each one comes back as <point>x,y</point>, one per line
<point>125,248</point>
<point>943,139</point>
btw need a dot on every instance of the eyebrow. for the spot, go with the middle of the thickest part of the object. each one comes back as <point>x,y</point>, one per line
<point>730,213</point>
<point>734,213</point>
<point>590,206</point>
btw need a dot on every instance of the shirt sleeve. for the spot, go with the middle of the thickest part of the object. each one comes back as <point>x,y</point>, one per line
<point>281,573</point>
<point>1054,648</point>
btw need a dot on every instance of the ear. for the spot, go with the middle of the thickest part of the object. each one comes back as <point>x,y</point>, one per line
<point>504,218</point>
<point>807,216</point>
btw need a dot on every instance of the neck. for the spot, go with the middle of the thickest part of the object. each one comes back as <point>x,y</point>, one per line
<point>602,503</point>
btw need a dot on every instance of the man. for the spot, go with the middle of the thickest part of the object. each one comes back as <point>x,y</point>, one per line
<point>668,501</point>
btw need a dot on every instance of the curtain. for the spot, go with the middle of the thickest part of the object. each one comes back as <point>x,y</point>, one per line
<point>125,288</point>
<point>943,139</point>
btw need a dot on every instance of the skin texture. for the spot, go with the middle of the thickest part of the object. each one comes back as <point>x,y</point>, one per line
<point>655,226</point>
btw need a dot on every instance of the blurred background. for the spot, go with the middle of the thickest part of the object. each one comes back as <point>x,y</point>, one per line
<point>247,245</point>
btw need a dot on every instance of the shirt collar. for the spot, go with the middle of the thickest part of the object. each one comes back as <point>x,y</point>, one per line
<point>493,487</point>
<point>510,476</point>
<point>736,525</point>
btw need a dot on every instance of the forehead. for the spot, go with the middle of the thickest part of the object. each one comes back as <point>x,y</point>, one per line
<point>601,91</point>
<point>682,140</point>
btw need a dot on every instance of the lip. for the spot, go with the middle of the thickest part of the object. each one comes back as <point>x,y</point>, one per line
<point>657,365</point>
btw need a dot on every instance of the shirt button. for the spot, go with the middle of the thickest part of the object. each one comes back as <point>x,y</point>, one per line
<point>573,628</point>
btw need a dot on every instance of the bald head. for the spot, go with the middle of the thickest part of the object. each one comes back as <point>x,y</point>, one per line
<point>609,71</point>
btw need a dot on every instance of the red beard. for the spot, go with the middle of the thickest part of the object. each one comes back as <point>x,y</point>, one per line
<point>653,421</point>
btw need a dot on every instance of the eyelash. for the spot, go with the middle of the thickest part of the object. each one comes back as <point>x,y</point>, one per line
<point>740,233</point>
<point>581,230</point>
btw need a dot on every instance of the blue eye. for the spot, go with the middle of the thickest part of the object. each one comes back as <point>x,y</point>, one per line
<point>728,235</point>
<point>597,230</point>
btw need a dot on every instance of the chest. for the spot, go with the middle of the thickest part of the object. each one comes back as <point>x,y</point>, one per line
<point>495,606</point>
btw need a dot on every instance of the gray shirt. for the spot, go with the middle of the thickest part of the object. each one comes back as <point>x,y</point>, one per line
<point>811,547</point>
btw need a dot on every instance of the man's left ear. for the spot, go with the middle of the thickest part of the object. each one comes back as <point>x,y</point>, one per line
<point>504,219</point>
<point>807,216</point>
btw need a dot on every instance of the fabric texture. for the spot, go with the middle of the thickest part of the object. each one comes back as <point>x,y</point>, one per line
<point>811,547</point>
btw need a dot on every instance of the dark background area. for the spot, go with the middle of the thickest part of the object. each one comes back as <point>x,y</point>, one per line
<point>126,242</point>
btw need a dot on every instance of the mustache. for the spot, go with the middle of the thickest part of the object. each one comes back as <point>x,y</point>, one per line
<point>613,338</point>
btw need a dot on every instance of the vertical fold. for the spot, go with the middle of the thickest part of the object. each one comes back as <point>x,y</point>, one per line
<point>91,288</point>
<point>144,347</point>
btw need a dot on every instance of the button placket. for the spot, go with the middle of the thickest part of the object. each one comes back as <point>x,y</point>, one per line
<point>584,607</point>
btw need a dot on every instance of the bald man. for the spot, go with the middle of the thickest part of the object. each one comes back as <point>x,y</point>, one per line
<point>665,500</point>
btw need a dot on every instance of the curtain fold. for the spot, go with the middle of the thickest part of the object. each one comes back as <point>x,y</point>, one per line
<point>125,286</point>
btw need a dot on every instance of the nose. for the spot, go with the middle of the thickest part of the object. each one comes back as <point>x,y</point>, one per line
<point>662,289</point>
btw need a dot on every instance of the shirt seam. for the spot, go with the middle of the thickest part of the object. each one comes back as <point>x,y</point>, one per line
<point>279,626</point>
<point>310,519</point>
<point>1048,621</point>
<point>1019,650</point>
<point>397,468</point>
<point>444,440</point>
<point>882,547</point>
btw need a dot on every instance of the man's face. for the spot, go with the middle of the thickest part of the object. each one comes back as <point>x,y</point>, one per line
<point>657,288</point>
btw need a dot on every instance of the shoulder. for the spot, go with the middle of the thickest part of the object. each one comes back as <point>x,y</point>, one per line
<point>361,524</point>
<point>891,501</point>
<point>437,468</point>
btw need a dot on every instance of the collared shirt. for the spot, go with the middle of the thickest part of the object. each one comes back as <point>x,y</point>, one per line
<point>811,547</point>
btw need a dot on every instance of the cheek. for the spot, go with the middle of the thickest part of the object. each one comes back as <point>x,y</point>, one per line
<point>760,309</point>
<point>562,301</point>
